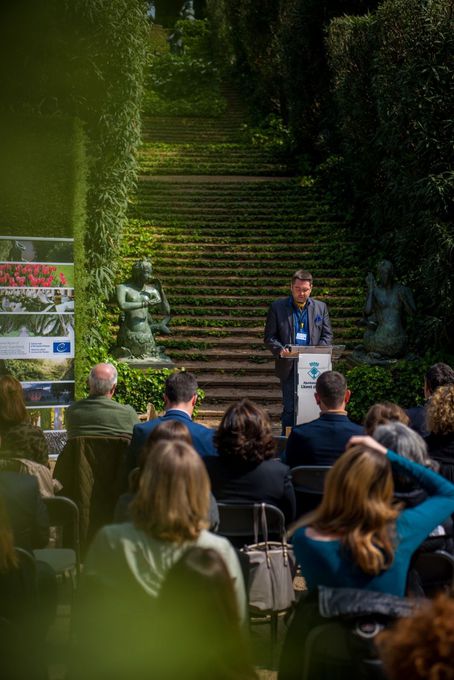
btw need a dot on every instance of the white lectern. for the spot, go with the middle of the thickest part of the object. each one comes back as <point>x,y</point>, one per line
<point>311,361</point>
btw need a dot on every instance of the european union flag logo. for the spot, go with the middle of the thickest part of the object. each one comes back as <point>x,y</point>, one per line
<point>61,347</point>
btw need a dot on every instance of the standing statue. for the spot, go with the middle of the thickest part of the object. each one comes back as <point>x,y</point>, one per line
<point>387,302</point>
<point>187,11</point>
<point>135,298</point>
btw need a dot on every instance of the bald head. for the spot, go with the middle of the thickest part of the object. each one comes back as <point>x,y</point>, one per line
<point>102,380</point>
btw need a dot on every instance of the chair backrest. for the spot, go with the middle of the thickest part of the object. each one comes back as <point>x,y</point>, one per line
<point>236,522</point>
<point>93,472</point>
<point>64,516</point>
<point>434,572</point>
<point>308,482</point>
<point>280,442</point>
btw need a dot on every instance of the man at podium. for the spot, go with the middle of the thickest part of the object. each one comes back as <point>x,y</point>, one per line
<point>295,320</point>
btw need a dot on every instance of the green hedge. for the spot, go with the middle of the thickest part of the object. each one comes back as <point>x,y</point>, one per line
<point>393,86</point>
<point>401,383</point>
<point>82,59</point>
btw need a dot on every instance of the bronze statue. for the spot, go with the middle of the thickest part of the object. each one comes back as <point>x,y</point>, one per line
<point>135,298</point>
<point>387,302</point>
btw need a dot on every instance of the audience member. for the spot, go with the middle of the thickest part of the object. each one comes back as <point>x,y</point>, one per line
<point>437,375</point>
<point>421,646</point>
<point>180,398</point>
<point>380,414</point>
<point>19,438</point>
<point>26,509</point>
<point>407,443</point>
<point>245,471</point>
<point>440,423</point>
<point>323,440</point>
<point>127,563</point>
<point>99,414</point>
<point>200,631</point>
<point>28,600</point>
<point>357,537</point>
<point>169,430</point>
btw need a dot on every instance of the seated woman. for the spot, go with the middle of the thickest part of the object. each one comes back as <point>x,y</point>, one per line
<point>19,438</point>
<point>200,631</point>
<point>28,601</point>
<point>245,470</point>
<point>169,430</point>
<point>127,563</point>
<point>409,444</point>
<point>440,423</point>
<point>383,413</point>
<point>358,537</point>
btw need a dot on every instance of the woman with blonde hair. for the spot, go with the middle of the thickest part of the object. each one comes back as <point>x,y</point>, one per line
<point>358,537</point>
<point>19,438</point>
<point>127,563</point>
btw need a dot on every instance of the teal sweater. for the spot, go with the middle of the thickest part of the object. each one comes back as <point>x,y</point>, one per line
<point>327,563</point>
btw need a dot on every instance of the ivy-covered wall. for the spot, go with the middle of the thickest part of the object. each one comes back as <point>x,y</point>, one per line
<point>85,60</point>
<point>43,174</point>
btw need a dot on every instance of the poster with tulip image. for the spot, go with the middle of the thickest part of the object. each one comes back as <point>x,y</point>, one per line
<point>36,298</point>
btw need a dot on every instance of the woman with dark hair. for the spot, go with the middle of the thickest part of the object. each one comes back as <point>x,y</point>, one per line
<point>246,470</point>
<point>357,537</point>
<point>201,634</point>
<point>19,438</point>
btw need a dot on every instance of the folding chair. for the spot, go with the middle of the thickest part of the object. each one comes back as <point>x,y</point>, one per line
<point>432,572</point>
<point>308,482</point>
<point>236,522</point>
<point>64,557</point>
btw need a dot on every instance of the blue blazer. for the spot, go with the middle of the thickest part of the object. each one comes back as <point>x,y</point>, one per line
<point>279,330</point>
<point>321,441</point>
<point>202,437</point>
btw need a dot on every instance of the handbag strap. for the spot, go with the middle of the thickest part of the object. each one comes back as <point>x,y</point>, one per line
<point>256,523</point>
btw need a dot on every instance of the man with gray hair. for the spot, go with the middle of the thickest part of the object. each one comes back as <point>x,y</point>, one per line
<point>99,414</point>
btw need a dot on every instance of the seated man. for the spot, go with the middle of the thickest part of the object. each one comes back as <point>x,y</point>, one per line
<point>437,375</point>
<point>180,397</point>
<point>323,440</point>
<point>99,414</point>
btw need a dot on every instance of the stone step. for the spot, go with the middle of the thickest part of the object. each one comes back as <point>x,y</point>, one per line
<point>231,394</point>
<point>226,368</point>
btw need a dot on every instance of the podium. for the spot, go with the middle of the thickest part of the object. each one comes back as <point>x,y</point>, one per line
<point>311,361</point>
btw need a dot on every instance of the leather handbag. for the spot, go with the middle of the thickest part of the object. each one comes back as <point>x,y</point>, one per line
<point>271,569</point>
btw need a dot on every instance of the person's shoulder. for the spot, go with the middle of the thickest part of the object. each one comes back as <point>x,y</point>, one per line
<point>279,303</point>
<point>146,426</point>
<point>355,427</point>
<point>207,539</point>
<point>274,466</point>
<point>318,303</point>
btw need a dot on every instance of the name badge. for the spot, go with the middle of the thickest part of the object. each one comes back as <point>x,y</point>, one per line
<point>301,336</point>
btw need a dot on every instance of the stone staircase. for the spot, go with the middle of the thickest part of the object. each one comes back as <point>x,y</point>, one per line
<point>226,223</point>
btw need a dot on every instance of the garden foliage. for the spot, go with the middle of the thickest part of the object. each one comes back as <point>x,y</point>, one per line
<point>75,59</point>
<point>393,80</point>
<point>186,84</point>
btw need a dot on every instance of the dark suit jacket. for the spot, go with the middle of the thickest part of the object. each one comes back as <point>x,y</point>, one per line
<point>279,330</point>
<point>26,509</point>
<point>321,441</point>
<point>417,415</point>
<point>202,437</point>
<point>265,482</point>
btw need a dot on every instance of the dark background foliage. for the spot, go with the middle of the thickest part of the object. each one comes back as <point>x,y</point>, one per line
<point>366,89</point>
